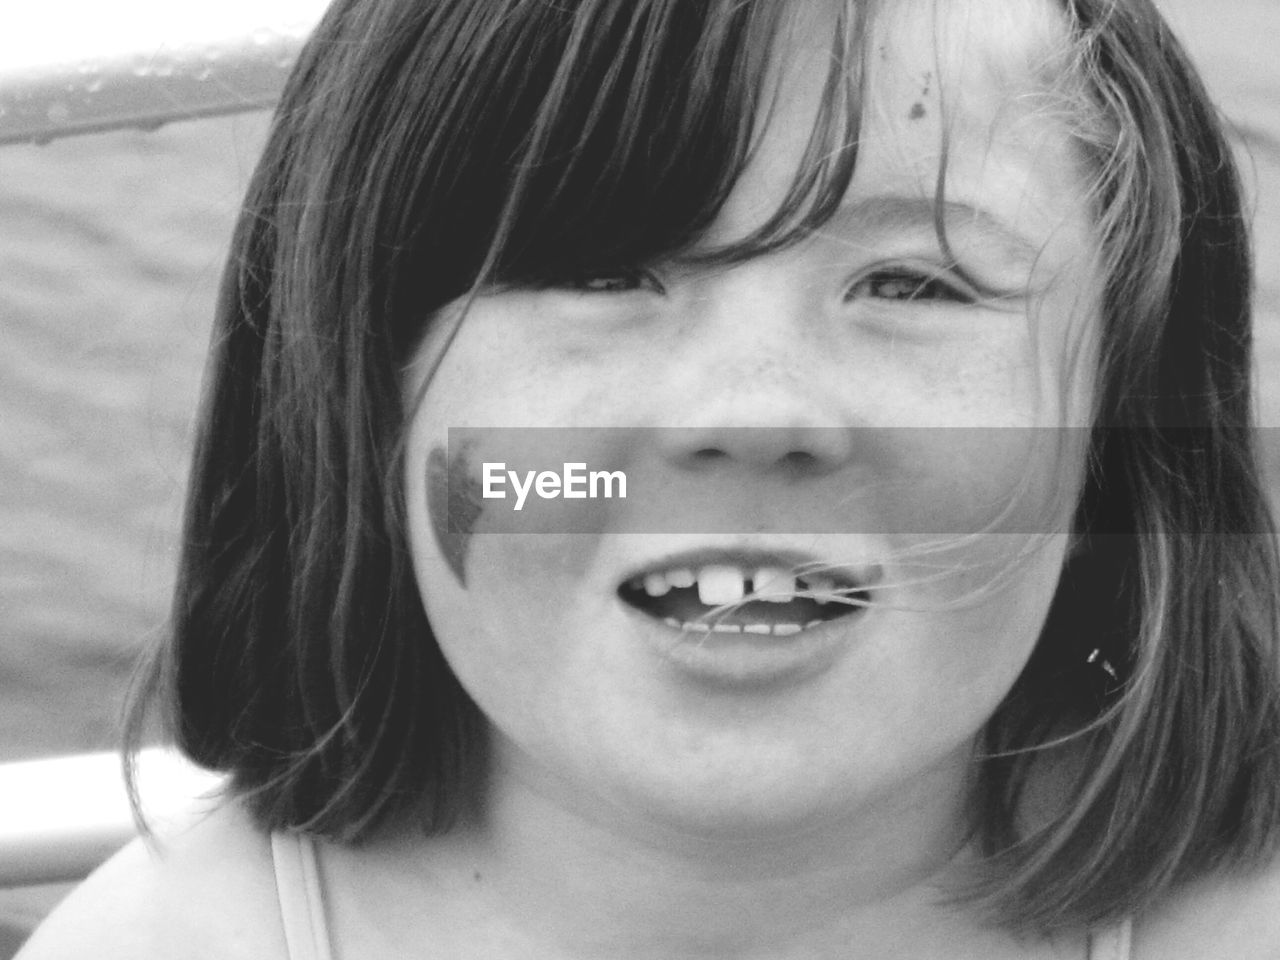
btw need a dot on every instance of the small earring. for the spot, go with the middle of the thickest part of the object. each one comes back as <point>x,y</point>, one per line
<point>1096,657</point>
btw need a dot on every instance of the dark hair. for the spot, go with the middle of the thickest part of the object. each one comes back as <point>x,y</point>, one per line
<point>421,148</point>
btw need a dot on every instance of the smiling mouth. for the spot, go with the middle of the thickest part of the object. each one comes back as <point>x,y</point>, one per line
<point>752,598</point>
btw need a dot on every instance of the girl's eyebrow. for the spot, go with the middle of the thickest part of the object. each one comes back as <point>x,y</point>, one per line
<point>890,212</point>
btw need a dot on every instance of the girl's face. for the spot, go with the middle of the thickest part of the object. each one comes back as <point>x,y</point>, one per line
<point>869,364</point>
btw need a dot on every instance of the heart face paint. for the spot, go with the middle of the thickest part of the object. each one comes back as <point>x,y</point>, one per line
<point>454,505</point>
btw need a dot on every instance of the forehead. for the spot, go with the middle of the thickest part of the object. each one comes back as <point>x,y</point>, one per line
<point>975,87</point>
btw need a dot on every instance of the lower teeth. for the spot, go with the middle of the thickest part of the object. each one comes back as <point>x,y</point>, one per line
<point>776,629</point>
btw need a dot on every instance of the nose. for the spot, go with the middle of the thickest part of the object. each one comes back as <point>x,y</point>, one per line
<point>755,385</point>
<point>792,449</point>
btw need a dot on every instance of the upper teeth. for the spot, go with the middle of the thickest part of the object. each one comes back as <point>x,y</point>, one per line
<point>721,584</point>
<point>774,585</point>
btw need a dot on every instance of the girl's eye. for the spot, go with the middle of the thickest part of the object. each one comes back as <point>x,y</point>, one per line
<point>618,281</point>
<point>906,285</point>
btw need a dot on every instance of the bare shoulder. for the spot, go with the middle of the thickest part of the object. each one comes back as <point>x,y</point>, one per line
<point>205,891</point>
<point>1235,915</point>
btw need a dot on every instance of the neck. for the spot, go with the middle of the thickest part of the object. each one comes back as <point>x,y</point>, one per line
<point>585,877</point>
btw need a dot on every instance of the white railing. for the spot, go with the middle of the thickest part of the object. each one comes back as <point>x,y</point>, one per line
<point>61,817</point>
<point>78,66</point>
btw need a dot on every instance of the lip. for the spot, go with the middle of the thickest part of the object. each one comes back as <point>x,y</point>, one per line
<point>744,661</point>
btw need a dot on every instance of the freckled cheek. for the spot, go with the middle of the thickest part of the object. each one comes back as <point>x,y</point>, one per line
<point>996,385</point>
<point>519,364</point>
<point>946,368</point>
<point>957,433</point>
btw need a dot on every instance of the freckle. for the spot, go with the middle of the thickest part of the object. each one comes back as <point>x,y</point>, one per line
<point>917,111</point>
<point>476,876</point>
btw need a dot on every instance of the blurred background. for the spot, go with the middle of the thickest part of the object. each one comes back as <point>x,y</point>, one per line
<point>110,250</point>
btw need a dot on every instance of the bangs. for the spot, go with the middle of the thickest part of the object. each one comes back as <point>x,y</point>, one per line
<point>648,114</point>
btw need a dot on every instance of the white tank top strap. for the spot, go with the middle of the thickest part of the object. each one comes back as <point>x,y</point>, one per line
<point>1113,943</point>
<point>301,897</point>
